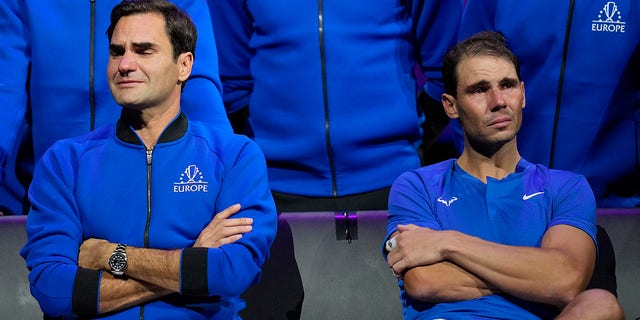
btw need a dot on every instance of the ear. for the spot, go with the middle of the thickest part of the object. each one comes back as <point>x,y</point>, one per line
<point>449,105</point>
<point>524,96</point>
<point>185,63</point>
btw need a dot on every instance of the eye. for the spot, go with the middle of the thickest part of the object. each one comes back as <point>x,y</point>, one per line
<point>509,84</point>
<point>144,51</point>
<point>479,90</point>
<point>116,51</point>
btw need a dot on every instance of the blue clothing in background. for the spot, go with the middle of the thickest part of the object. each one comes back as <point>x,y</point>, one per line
<point>580,63</point>
<point>330,85</point>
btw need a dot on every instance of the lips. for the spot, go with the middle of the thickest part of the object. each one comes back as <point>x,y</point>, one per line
<point>500,122</point>
<point>127,81</point>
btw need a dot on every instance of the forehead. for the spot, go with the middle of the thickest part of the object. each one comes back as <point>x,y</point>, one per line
<point>473,69</point>
<point>140,28</point>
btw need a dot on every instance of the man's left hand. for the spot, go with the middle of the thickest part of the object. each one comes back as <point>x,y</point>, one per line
<point>415,246</point>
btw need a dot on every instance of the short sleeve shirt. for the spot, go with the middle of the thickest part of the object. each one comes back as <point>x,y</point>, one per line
<point>516,210</point>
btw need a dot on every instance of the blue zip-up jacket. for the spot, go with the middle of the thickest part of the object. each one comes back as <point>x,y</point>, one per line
<point>330,85</point>
<point>54,59</point>
<point>106,185</point>
<point>580,63</point>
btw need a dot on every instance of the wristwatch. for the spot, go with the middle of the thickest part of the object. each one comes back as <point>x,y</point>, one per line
<point>118,260</point>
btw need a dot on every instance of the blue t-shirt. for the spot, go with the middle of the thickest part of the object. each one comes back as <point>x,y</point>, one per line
<point>516,210</point>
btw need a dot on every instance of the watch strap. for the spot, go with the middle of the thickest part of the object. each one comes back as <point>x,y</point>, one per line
<point>115,268</point>
<point>121,248</point>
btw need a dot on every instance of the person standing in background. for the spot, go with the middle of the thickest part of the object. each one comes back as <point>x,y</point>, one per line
<point>581,63</point>
<point>53,57</point>
<point>328,91</point>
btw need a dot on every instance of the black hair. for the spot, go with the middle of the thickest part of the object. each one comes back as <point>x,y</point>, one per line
<point>488,43</point>
<point>180,29</point>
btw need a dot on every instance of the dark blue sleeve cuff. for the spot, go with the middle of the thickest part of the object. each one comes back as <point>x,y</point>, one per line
<point>193,272</point>
<point>84,301</point>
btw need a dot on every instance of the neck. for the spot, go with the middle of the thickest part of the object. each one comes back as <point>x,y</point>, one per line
<point>496,165</point>
<point>150,123</point>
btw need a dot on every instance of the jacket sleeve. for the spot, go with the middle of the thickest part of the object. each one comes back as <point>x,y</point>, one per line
<point>54,235</point>
<point>14,63</point>
<point>232,268</point>
<point>435,25</point>
<point>233,28</point>
<point>202,95</point>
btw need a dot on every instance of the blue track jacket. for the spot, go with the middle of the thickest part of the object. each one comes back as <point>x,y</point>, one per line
<point>330,85</point>
<point>106,185</point>
<point>53,59</point>
<point>580,64</point>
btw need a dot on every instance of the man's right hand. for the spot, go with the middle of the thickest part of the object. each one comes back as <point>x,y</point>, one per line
<point>224,230</point>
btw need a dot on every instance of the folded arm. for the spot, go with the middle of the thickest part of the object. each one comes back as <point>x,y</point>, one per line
<point>444,282</point>
<point>554,273</point>
<point>153,273</point>
<point>439,282</point>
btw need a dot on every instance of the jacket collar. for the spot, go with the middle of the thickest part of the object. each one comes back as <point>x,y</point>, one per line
<point>176,130</point>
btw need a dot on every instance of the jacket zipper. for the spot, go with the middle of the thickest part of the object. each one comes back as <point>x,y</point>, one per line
<point>149,156</point>
<point>565,50</point>
<point>146,227</point>
<point>325,98</point>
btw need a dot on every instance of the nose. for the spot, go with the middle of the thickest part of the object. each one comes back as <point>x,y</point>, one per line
<point>497,98</point>
<point>127,63</point>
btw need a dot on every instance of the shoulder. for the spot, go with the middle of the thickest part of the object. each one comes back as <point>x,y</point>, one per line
<point>65,156</point>
<point>83,143</point>
<point>428,179</point>
<point>222,140</point>
<point>572,201</point>
<point>431,173</point>
<point>552,176</point>
<point>562,184</point>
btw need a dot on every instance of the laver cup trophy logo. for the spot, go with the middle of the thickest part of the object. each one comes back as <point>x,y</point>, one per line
<point>192,172</point>
<point>191,180</point>
<point>609,19</point>
<point>609,10</point>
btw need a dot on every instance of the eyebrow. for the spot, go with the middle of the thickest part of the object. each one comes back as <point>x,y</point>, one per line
<point>143,45</point>
<point>510,80</point>
<point>136,46</point>
<point>485,83</point>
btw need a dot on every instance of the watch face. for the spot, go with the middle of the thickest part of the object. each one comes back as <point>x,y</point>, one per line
<point>118,262</point>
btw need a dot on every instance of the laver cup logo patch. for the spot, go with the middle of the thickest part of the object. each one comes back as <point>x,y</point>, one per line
<point>190,181</point>
<point>609,19</point>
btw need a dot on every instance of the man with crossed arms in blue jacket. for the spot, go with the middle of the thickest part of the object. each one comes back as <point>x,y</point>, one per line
<point>132,221</point>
